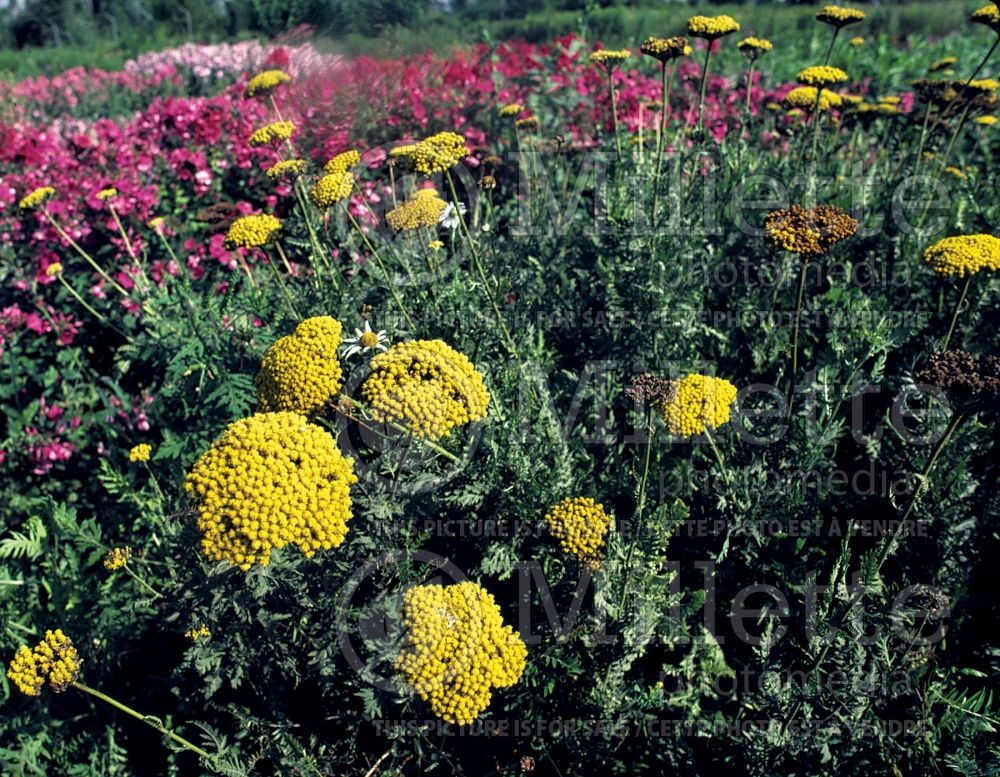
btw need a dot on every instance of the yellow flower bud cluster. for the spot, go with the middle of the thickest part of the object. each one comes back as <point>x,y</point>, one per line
<point>804,98</point>
<point>609,58</point>
<point>821,75</point>
<point>263,84</point>
<point>666,49</point>
<point>287,168</point>
<point>301,372</point>
<point>699,402</point>
<point>252,231</point>
<point>989,15</point>
<point>117,558</point>
<point>986,121</point>
<point>712,27</point>
<point>435,154</point>
<point>754,48</point>
<point>423,209</point>
<point>331,188</point>
<point>107,194</point>
<point>36,198</point>
<point>140,453</point>
<point>56,267</point>
<point>458,649</point>
<point>942,64</point>
<point>510,110</point>
<point>581,525</point>
<point>269,133</point>
<point>964,255</point>
<point>809,231</point>
<point>271,480</point>
<point>53,659</point>
<point>840,17</point>
<point>343,162</point>
<point>202,632</point>
<point>427,385</point>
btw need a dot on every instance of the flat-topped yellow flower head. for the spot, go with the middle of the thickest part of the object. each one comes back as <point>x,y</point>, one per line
<point>838,16</point>
<point>712,27</point>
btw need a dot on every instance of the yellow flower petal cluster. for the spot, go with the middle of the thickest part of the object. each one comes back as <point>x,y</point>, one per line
<point>201,632</point>
<point>755,48</point>
<point>987,121</point>
<point>809,231</point>
<point>804,98</point>
<point>821,75</point>
<point>427,385</point>
<point>458,649</point>
<point>989,15</point>
<point>263,84</point>
<point>107,194</point>
<point>840,17</point>
<point>942,64</point>
<point>712,27</point>
<point>964,255</point>
<point>331,188</point>
<point>269,133</point>
<point>857,41</point>
<point>609,58</point>
<point>54,659</point>
<point>140,452</point>
<point>301,372</point>
<point>287,168</point>
<point>252,231</point>
<point>56,267</point>
<point>435,154</point>
<point>117,558</point>
<point>343,162</point>
<point>511,109</point>
<point>581,525</point>
<point>271,480</point>
<point>979,86</point>
<point>423,209</point>
<point>666,49</point>
<point>699,402</point>
<point>36,198</point>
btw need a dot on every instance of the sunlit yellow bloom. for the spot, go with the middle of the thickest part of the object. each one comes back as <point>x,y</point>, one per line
<point>699,402</point>
<point>53,269</point>
<point>989,15</point>
<point>754,48</point>
<point>609,58</point>
<point>423,209</point>
<point>964,255</point>
<point>300,372</point>
<point>987,121</point>
<point>581,525</point>
<point>117,558</point>
<point>331,188</point>
<point>269,133</point>
<point>252,231</point>
<point>107,194</point>
<point>510,110</point>
<point>265,83</point>
<point>840,17</point>
<point>140,453</point>
<point>54,659</point>
<point>712,27</point>
<point>343,162</point>
<point>666,49</point>
<point>37,197</point>
<point>804,98</point>
<point>287,168</point>
<point>821,75</point>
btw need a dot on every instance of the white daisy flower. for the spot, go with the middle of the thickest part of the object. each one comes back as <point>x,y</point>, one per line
<point>365,340</point>
<point>449,216</point>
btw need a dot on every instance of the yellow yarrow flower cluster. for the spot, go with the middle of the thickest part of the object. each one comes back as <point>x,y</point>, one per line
<point>332,188</point>
<point>107,194</point>
<point>510,110</point>
<point>754,48</point>
<point>987,121</point>
<point>666,49</point>
<point>840,17</point>
<point>458,649</point>
<point>809,231</point>
<point>287,168</point>
<point>979,86</point>
<point>435,154</point>
<point>54,659</point>
<point>117,558</point>
<point>201,632</point>
<point>712,27</point>
<point>857,41</point>
<point>252,231</point>
<point>263,84</point>
<point>36,198</point>
<point>271,480</point>
<point>343,162</point>
<point>423,209</point>
<point>942,64</point>
<point>581,525</point>
<point>804,98</point>
<point>140,452</point>
<point>699,402</point>
<point>989,15</point>
<point>427,385</point>
<point>301,372</point>
<point>821,75</point>
<point>55,268</point>
<point>269,133</point>
<point>609,58</point>
<point>964,255</point>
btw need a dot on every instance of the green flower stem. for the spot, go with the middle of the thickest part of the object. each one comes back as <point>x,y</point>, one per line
<point>397,427</point>
<point>385,273</point>
<point>664,97</point>
<point>954,315</point>
<point>487,289</point>
<point>954,137</point>
<point>727,476</point>
<point>614,110</point>
<point>640,502</point>
<point>704,83</point>
<point>746,108</point>
<point>131,573</point>
<point>795,333</point>
<point>155,482</point>
<point>829,50</point>
<point>319,257</point>
<point>89,259</point>
<point>923,140</point>
<point>148,720</point>
<point>80,299</point>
